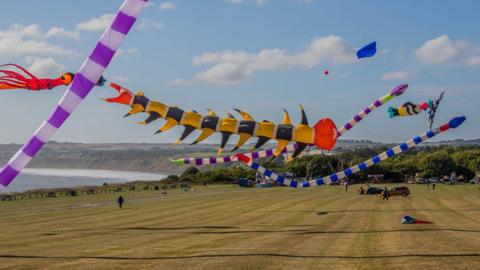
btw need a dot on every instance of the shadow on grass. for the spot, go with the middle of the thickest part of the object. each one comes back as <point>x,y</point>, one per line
<point>390,231</point>
<point>124,258</point>
<point>174,228</point>
<point>370,211</point>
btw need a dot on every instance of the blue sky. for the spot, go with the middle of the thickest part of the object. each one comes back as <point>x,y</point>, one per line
<point>261,56</point>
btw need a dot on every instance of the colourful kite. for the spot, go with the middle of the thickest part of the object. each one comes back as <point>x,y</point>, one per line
<point>86,78</point>
<point>397,91</point>
<point>409,109</point>
<point>333,178</point>
<point>323,134</point>
<point>15,80</point>
<point>368,50</point>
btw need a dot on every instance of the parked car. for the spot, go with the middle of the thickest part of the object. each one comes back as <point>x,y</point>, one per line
<point>433,180</point>
<point>404,191</point>
<point>374,191</point>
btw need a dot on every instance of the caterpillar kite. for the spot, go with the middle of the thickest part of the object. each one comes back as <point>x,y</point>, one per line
<point>10,79</point>
<point>323,134</point>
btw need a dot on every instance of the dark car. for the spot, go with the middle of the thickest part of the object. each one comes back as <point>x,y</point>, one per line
<point>404,191</point>
<point>374,191</point>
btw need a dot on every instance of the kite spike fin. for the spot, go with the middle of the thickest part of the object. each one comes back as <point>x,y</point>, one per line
<point>245,115</point>
<point>211,113</point>
<point>286,118</point>
<point>225,137</point>
<point>280,146</point>
<point>304,119</point>
<point>152,117</point>
<point>136,108</point>
<point>261,141</point>
<point>187,131</point>
<point>243,139</point>
<point>205,134</point>
<point>168,125</point>
<point>299,150</point>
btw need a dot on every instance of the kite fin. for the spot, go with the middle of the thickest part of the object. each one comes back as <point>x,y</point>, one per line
<point>261,141</point>
<point>281,145</point>
<point>286,118</point>
<point>225,137</point>
<point>243,139</point>
<point>304,120</point>
<point>168,125</point>
<point>188,129</point>
<point>205,134</point>
<point>245,115</point>
<point>300,148</point>
<point>392,112</point>
<point>152,117</point>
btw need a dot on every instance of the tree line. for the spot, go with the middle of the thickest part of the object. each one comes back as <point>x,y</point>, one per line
<point>426,162</point>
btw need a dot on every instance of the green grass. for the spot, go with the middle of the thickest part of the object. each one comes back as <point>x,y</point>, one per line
<point>226,227</point>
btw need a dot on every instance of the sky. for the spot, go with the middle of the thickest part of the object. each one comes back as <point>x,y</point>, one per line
<point>262,56</point>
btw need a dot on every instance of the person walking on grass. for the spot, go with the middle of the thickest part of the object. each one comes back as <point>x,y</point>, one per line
<point>385,194</point>
<point>346,185</point>
<point>120,201</point>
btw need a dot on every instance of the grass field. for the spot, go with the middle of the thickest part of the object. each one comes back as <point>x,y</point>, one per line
<point>226,227</point>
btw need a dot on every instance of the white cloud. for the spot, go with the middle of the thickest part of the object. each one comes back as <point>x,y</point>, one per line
<point>45,67</point>
<point>18,47</point>
<point>20,41</point>
<point>473,61</point>
<point>180,81</point>
<point>398,75</point>
<point>235,66</point>
<point>96,24</point>
<point>235,1</point>
<point>149,23</point>
<point>167,5</point>
<point>61,32</point>
<point>443,50</point>
<point>437,51</point>
<point>258,2</point>
<point>18,30</point>
<point>150,4</point>
<point>125,53</point>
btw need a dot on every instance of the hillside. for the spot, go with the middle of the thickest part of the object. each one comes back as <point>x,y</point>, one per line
<point>147,157</point>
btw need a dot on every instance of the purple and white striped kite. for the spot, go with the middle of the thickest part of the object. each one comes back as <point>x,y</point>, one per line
<point>85,79</point>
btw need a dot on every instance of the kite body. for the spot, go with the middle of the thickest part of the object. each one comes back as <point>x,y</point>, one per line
<point>323,134</point>
<point>15,80</point>
<point>25,80</point>
<point>409,108</point>
<point>368,50</point>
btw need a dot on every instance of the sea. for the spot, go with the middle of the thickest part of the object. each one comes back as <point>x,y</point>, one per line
<point>61,178</point>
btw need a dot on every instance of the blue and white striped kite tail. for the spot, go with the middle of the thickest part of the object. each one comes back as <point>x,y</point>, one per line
<point>333,178</point>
